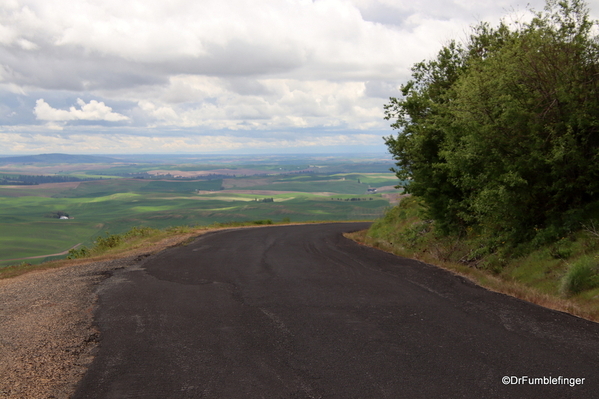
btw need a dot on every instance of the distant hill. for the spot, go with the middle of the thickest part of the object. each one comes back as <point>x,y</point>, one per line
<point>57,158</point>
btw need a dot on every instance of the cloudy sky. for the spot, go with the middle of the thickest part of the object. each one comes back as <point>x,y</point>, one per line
<point>189,76</point>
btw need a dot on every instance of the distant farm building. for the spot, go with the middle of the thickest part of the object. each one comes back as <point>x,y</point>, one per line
<point>372,190</point>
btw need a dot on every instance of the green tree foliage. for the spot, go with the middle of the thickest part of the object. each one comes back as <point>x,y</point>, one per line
<point>501,134</point>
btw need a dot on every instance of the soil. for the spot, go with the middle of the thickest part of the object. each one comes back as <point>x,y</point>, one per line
<point>47,332</point>
<point>47,337</point>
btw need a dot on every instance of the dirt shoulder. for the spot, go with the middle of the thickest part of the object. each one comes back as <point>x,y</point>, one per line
<point>47,335</point>
<point>47,338</point>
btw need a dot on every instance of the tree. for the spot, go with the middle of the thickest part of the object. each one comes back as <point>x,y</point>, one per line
<point>417,149</point>
<point>502,134</point>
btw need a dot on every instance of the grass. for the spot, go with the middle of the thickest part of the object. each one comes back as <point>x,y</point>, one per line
<point>581,276</point>
<point>562,276</point>
<point>181,186</point>
<point>312,186</point>
<point>372,179</point>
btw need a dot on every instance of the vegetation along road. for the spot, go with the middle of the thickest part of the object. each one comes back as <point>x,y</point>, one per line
<point>301,311</point>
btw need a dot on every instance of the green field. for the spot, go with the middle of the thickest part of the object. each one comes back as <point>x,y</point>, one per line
<point>114,205</point>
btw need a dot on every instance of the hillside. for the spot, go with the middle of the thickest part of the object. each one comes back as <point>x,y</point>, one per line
<point>57,159</point>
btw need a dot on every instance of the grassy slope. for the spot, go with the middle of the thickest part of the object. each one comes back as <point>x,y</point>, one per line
<point>537,277</point>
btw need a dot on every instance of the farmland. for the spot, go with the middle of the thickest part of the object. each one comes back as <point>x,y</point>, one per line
<point>127,194</point>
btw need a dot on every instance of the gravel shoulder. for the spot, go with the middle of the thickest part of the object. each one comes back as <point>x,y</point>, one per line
<point>47,332</point>
<point>47,337</point>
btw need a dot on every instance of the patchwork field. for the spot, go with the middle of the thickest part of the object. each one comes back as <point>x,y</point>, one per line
<point>29,223</point>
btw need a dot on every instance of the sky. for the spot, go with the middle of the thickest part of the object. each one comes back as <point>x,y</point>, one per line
<point>217,76</point>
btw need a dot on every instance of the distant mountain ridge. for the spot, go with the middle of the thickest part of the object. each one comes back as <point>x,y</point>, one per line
<point>58,158</point>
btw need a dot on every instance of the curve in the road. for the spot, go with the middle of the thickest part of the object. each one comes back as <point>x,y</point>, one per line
<point>302,312</point>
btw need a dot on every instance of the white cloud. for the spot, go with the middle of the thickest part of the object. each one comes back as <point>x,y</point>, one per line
<point>93,111</point>
<point>132,143</point>
<point>277,104</point>
<point>27,45</point>
<point>189,67</point>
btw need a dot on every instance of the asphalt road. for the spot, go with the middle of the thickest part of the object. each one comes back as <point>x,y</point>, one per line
<point>302,312</point>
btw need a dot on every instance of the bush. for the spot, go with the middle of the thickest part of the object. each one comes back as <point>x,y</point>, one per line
<point>413,234</point>
<point>561,250</point>
<point>267,221</point>
<point>110,241</point>
<point>82,252</point>
<point>581,276</point>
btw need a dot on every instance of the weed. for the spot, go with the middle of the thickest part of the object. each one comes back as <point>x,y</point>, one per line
<point>474,255</point>
<point>494,263</point>
<point>22,264</point>
<point>581,276</point>
<point>228,224</point>
<point>178,229</point>
<point>110,241</point>
<point>561,249</point>
<point>558,252</point>
<point>414,233</point>
<point>140,232</point>
<point>82,252</point>
<point>267,221</point>
<point>15,270</point>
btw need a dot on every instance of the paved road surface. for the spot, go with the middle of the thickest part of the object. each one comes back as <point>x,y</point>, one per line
<point>301,312</point>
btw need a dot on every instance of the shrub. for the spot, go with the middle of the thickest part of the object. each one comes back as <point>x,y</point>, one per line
<point>413,234</point>
<point>82,252</point>
<point>110,241</point>
<point>267,221</point>
<point>581,276</point>
<point>560,251</point>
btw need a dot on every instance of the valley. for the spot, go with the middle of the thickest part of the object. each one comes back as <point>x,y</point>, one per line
<point>113,197</point>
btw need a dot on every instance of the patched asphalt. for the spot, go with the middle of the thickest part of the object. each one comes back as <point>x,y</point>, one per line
<point>302,312</point>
